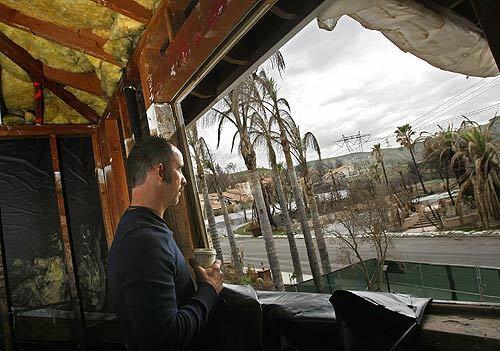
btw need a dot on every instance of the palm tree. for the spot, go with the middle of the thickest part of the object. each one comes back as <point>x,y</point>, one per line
<point>439,148</point>
<point>280,112</point>
<point>475,147</point>
<point>300,146</point>
<point>215,171</point>
<point>404,135</point>
<point>379,157</point>
<point>197,146</point>
<point>235,109</point>
<point>263,134</point>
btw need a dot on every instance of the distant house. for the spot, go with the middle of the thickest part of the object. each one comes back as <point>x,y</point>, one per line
<point>233,197</point>
<point>342,172</point>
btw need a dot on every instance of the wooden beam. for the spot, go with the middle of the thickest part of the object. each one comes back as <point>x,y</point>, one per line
<point>150,38</point>
<point>204,30</point>
<point>128,8</point>
<point>487,13</point>
<point>57,129</point>
<point>115,153</point>
<point>87,82</point>
<point>81,40</point>
<point>103,191</point>
<point>68,251</point>
<point>34,68</point>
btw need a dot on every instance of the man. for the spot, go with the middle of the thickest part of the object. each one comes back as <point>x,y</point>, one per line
<point>150,284</point>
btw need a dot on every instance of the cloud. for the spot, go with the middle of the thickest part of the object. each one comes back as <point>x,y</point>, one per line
<point>354,79</point>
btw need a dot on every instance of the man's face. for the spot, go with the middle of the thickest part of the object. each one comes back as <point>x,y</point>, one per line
<point>173,188</point>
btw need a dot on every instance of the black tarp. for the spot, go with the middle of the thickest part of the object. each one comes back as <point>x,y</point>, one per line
<point>378,321</point>
<point>30,220</point>
<point>85,218</point>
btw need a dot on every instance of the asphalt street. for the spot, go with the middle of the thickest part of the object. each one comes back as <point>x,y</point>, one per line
<point>451,250</point>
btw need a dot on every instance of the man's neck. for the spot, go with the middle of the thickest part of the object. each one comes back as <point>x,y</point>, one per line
<point>144,198</point>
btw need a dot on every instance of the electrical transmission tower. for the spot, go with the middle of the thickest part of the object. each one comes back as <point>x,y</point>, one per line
<point>352,142</point>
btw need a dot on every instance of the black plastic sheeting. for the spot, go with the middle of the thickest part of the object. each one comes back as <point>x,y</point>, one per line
<point>298,321</point>
<point>85,219</point>
<point>289,321</point>
<point>378,321</point>
<point>30,220</point>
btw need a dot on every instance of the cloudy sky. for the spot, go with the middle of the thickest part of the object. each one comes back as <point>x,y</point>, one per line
<point>354,80</point>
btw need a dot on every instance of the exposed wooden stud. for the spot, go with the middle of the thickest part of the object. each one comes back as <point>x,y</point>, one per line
<point>108,176</point>
<point>35,69</point>
<point>487,13</point>
<point>131,74</point>
<point>208,25</point>
<point>87,82</point>
<point>81,40</point>
<point>117,165</point>
<point>5,306</point>
<point>128,8</point>
<point>57,129</point>
<point>103,192</point>
<point>68,251</point>
<point>192,213</point>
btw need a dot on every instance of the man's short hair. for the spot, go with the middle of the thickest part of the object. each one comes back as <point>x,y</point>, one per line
<point>145,154</point>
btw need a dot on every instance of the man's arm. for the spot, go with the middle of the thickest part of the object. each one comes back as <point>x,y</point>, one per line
<point>147,276</point>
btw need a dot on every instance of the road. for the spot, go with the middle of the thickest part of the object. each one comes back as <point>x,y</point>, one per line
<point>452,250</point>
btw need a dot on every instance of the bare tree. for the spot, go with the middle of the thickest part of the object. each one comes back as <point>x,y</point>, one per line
<point>365,215</point>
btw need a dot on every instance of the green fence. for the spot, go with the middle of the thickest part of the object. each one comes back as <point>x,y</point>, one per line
<point>443,282</point>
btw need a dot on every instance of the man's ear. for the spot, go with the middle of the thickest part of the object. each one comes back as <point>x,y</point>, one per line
<point>161,171</point>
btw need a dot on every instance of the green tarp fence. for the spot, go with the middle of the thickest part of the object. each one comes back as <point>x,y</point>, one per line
<point>442,282</point>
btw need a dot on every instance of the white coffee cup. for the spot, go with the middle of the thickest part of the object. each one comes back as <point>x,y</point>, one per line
<point>205,257</point>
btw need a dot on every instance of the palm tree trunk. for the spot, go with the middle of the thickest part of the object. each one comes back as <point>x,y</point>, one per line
<point>297,270</point>
<point>267,233</point>
<point>212,226</point>
<point>299,203</point>
<point>418,171</point>
<point>306,231</point>
<point>385,176</point>
<point>230,236</point>
<point>318,231</point>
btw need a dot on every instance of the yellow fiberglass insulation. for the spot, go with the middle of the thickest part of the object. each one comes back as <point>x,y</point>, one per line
<point>108,74</point>
<point>17,94</point>
<point>13,69</point>
<point>122,34</point>
<point>50,53</point>
<point>78,14</point>
<point>58,112</point>
<point>149,4</point>
<point>123,37</point>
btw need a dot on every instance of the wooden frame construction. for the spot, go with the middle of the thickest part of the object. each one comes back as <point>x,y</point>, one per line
<point>191,53</point>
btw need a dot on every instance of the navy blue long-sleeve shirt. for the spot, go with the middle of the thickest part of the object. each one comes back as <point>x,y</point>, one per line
<point>151,288</point>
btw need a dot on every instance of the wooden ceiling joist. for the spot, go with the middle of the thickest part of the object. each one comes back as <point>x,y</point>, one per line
<point>87,82</point>
<point>34,68</point>
<point>205,29</point>
<point>128,8</point>
<point>80,40</point>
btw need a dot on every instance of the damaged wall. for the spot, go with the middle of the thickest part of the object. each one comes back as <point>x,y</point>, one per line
<point>30,221</point>
<point>121,33</point>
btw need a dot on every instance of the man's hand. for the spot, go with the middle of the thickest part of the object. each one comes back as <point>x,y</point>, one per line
<point>211,275</point>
